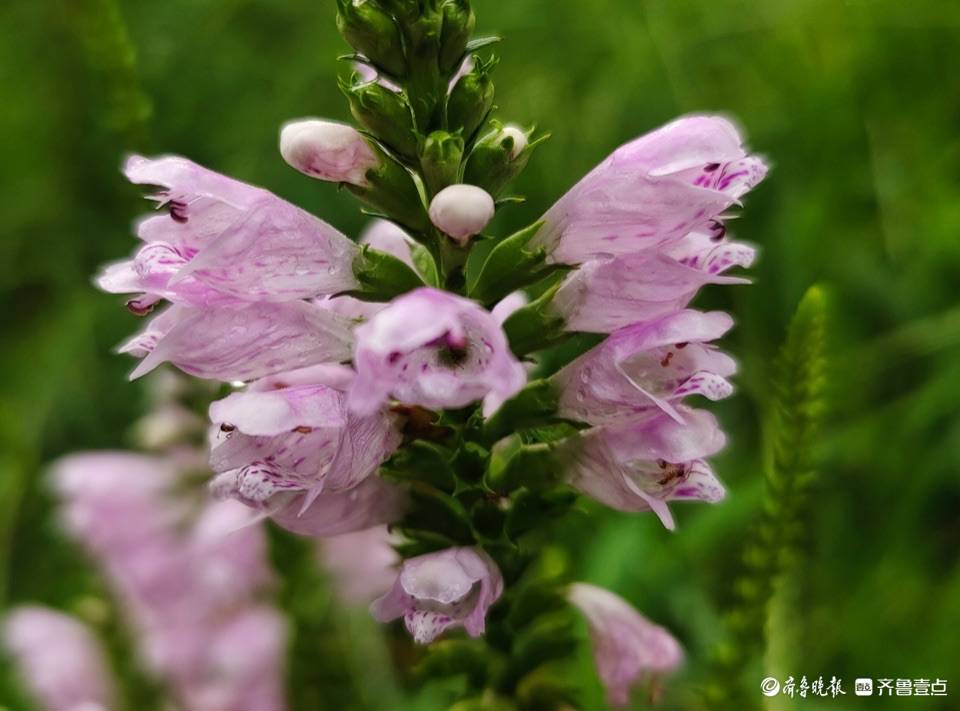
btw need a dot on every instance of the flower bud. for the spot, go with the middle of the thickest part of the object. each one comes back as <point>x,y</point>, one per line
<point>498,157</point>
<point>458,24</point>
<point>373,33</point>
<point>440,160</point>
<point>461,211</point>
<point>385,114</point>
<point>327,150</point>
<point>471,100</point>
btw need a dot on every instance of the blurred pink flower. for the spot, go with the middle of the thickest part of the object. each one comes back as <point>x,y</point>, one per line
<point>434,592</point>
<point>362,565</point>
<point>59,659</point>
<point>652,191</point>
<point>628,649</point>
<point>434,349</point>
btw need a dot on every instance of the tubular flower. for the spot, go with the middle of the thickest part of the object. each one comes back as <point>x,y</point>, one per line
<point>242,342</point>
<point>642,465</point>
<point>433,349</point>
<point>434,592</point>
<point>223,240</point>
<point>652,191</point>
<point>285,437</point>
<point>647,367</point>
<point>327,150</point>
<point>606,294</point>
<point>59,658</point>
<point>628,649</point>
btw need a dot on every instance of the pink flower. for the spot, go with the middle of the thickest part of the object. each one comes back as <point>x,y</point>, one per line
<point>242,341</point>
<point>434,349</point>
<point>327,150</point>
<point>628,649</point>
<point>642,465</point>
<point>461,211</point>
<point>387,237</point>
<point>243,668</point>
<point>61,662</point>
<point>652,191</point>
<point>187,579</point>
<point>647,366</point>
<point>372,502</point>
<point>287,436</point>
<point>437,591</point>
<point>362,564</point>
<point>606,294</point>
<point>223,240</point>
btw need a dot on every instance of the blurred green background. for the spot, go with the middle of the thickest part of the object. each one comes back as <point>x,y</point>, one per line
<point>856,103</point>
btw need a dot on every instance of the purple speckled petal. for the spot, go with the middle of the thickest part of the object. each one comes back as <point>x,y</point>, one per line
<point>651,191</point>
<point>372,502</point>
<point>643,465</point>
<point>275,412</point>
<point>647,366</point>
<point>251,341</point>
<point>434,349</point>
<point>437,591</point>
<point>628,649</point>
<point>276,252</point>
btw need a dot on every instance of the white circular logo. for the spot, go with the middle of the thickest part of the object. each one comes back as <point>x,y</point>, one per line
<point>770,686</point>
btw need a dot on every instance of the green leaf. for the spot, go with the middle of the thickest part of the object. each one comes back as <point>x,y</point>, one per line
<point>514,464</point>
<point>531,509</point>
<point>509,266</point>
<point>382,276</point>
<point>424,461</point>
<point>535,326</point>
<point>534,406</point>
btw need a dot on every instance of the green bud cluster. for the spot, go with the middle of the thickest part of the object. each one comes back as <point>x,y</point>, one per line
<point>472,482</point>
<point>428,111</point>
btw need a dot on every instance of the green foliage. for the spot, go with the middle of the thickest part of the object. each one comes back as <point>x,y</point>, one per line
<point>772,547</point>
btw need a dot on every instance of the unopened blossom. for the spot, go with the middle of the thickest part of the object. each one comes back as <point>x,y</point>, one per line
<point>242,341</point>
<point>297,436</point>
<point>437,591</point>
<point>640,466</point>
<point>461,211</point>
<point>433,349</point>
<point>60,661</point>
<point>603,295</point>
<point>388,237</point>
<point>509,305</point>
<point>327,150</point>
<point>647,367</point>
<point>221,240</point>
<point>628,649</point>
<point>362,564</point>
<point>652,191</point>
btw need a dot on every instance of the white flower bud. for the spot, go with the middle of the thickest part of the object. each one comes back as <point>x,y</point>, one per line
<point>461,211</point>
<point>519,137</point>
<point>327,150</point>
